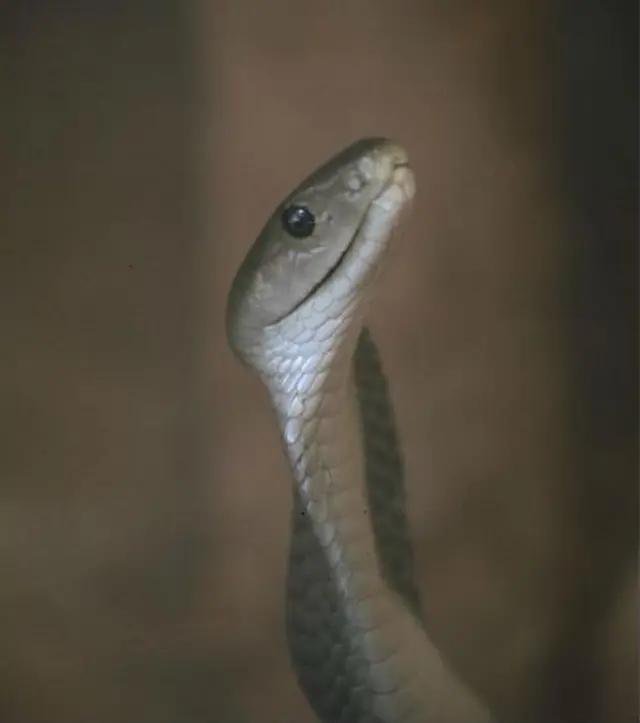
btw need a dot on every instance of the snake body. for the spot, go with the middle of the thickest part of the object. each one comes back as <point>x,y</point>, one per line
<point>295,316</point>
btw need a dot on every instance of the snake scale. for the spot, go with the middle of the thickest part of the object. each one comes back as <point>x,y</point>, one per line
<point>295,316</point>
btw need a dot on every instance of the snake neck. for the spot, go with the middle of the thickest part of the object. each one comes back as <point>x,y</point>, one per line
<point>357,643</point>
<point>348,470</point>
<point>338,602</point>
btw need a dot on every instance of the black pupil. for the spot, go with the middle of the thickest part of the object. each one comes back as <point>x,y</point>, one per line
<point>298,221</point>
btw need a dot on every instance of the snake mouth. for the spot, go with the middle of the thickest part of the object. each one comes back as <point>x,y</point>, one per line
<point>334,268</point>
<point>342,258</point>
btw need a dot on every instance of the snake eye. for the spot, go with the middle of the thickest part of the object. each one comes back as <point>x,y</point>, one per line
<point>298,221</point>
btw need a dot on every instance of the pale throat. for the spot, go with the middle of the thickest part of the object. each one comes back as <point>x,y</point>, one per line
<point>320,427</point>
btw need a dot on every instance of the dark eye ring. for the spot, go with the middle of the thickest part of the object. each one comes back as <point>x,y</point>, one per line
<point>298,221</point>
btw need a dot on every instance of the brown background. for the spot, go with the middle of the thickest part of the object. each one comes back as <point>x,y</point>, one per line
<point>145,500</point>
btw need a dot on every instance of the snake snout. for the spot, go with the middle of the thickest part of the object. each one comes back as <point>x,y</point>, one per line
<point>383,157</point>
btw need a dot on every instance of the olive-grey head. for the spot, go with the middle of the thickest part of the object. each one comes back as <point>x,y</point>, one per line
<point>334,225</point>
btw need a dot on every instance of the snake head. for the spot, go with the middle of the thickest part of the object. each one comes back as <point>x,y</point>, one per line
<point>319,242</point>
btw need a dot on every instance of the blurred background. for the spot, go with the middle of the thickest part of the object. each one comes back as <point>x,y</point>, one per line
<point>145,501</point>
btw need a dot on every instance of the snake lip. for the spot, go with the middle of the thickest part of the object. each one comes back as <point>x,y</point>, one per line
<point>331,271</point>
<point>340,260</point>
<point>335,267</point>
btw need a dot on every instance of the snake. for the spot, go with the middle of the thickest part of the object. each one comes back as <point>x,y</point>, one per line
<point>295,316</point>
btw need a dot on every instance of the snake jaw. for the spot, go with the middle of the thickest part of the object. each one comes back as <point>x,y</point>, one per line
<point>396,193</point>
